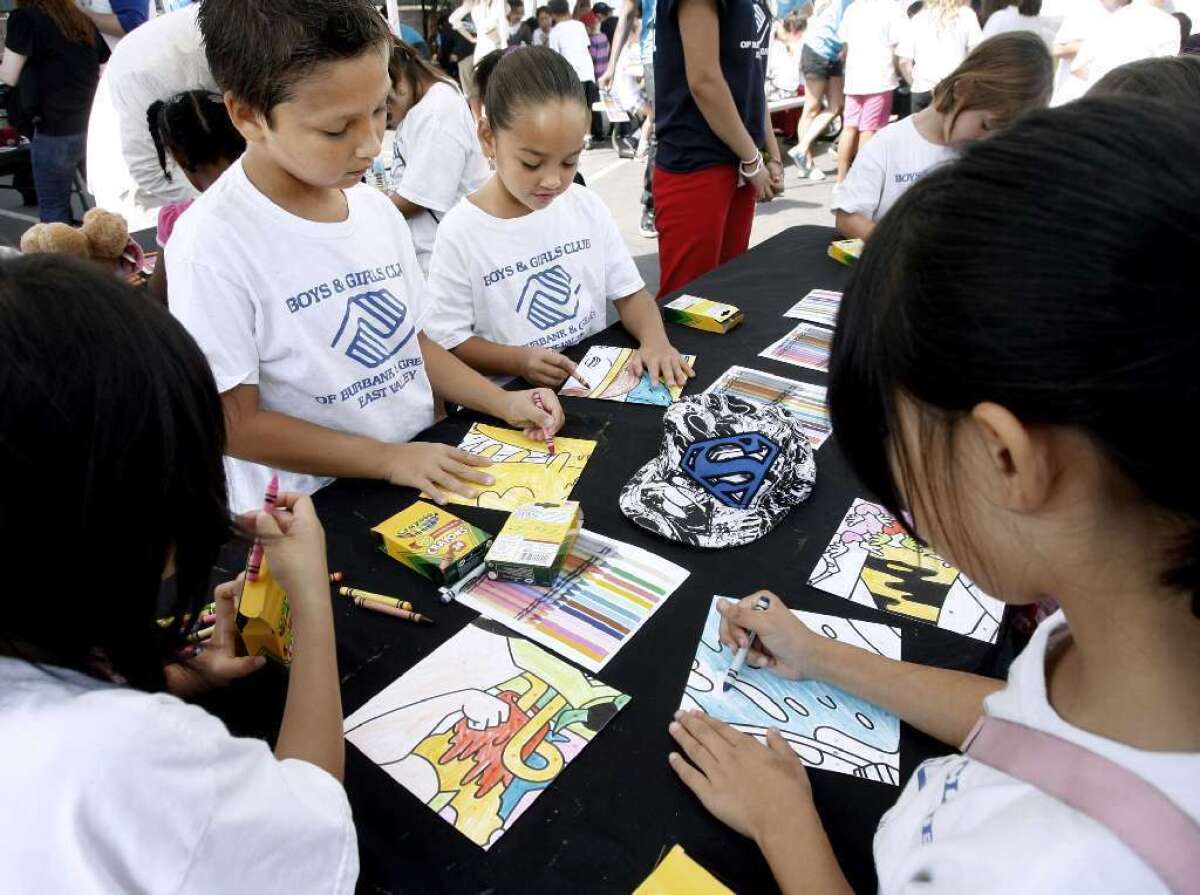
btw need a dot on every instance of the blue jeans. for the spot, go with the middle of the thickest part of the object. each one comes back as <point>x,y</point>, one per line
<point>55,160</point>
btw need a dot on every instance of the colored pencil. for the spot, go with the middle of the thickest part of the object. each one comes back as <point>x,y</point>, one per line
<point>254,565</point>
<point>355,593</point>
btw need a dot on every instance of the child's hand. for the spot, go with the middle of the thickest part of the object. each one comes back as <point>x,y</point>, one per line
<point>784,645</point>
<point>660,359</point>
<point>544,366</point>
<point>744,784</point>
<point>437,468</point>
<point>219,663</point>
<point>294,541</point>
<point>521,412</point>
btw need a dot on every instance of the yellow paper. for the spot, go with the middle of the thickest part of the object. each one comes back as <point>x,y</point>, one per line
<point>523,469</point>
<point>680,875</point>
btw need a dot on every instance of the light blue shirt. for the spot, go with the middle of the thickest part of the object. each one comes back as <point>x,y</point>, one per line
<point>823,29</point>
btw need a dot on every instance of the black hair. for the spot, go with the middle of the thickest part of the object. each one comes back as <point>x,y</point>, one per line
<point>195,128</point>
<point>558,8</point>
<point>405,62</point>
<point>1185,26</point>
<point>258,50</point>
<point>510,79</point>
<point>1030,7</point>
<point>1175,79</point>
<point>1007,276</point>
<point>541,9</point>
<point>111,436</point>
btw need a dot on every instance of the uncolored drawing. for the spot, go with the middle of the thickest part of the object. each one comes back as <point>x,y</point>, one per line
<point>481,726</point>
<point>827,728</point>
<point>819,306</point>
<point>523,469</point>
<point>605,592</point>
<point>874,561</point>
<point>802,400</point>
<point>805,346</point>
<point>608,372</point>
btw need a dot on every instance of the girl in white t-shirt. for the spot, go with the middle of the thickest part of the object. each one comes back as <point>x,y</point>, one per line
<point>436,157</point>
<point>1022,16</point>
<point>527,265</point>
<point>1029,369</point>
<point>1000,79</point>
<point>111,457</point>
<point>936,41</point>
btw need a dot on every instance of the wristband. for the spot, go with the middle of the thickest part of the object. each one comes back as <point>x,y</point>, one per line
<point>757,161</point>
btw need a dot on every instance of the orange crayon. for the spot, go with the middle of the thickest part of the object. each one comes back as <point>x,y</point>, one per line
<point>404,614</point>
<point>355,593</point>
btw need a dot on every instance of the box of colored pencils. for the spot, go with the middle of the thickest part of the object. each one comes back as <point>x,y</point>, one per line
<point>846,251</point>
<point>702,313</point>
<point>534,541</point>
<point>433,543</point>
<point>264,619</point>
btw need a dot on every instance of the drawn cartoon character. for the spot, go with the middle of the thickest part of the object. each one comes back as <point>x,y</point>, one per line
<point>374,324</point>
<point>547,298</point>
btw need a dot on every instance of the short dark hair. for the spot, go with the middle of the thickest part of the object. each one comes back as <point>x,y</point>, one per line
<point>1008,276</point>
<point>111,441</point>
<point>1174,79</point>
<point>510,79</point>
<point>259,49</point>
<point>194,127</point>
<point>558,8</point>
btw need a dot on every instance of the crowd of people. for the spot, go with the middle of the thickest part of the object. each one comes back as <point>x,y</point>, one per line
<point>1011,361</point>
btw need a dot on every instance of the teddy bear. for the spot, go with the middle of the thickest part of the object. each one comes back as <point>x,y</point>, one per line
<point>103,238</point>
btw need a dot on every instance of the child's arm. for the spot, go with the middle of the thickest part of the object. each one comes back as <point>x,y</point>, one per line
<point>944,704</point>
<point>406,208</point>
<point>538,366</point>
<point>853,225</point>
<point>642,318</point>
<point>157,287</point>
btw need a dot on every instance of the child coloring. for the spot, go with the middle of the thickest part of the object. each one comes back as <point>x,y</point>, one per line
<point>1030,424</point>
<point>113,461</point>
<point>1001,78</point>
<point>527,264</point>
<point>301,284</point>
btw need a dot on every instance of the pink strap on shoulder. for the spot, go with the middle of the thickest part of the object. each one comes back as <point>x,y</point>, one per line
<point>1135,811</point>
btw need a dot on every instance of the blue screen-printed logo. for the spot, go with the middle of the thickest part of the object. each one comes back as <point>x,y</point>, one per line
<point>732,468</point>
<point>373,327</point>
<point>548,298</point>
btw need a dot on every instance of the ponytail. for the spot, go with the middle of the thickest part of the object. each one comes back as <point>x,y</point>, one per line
<point>525,76</point>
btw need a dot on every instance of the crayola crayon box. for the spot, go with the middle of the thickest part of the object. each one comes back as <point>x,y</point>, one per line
<point>702,313</point>
<point>264,618</point>
<point>433,543</point>
<point>846,251</point>
<point>534,541</point>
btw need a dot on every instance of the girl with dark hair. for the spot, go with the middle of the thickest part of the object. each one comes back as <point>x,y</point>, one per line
<point>1173,79</point>
<point>1028,421</point>
<point>436,159</point>
<point>192,130</point>
<point>111,441</point>
<point>55,52</point>
<point>1002,16</point>
<point>528,264</point>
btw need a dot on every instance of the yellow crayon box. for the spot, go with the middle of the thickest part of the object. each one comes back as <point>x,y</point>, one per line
<point>264,618</point>
<point>678,874</point>
<point>433,543</point>
<point>534,541</point>
<point>846,251</point>
<point>702,313</point>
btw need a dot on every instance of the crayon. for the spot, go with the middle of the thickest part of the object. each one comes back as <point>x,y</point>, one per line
<point>202,634</point>
<point>254,564</point>
<point>546,433</point>
<point>739,660</point>
<point>335,577</point>
<point>356,593</point>
<point>391,610</point>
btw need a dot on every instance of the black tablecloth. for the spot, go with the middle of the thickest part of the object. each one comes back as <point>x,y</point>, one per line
<point>604,823</point>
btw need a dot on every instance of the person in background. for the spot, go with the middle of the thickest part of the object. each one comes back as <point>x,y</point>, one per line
<point>436,158</point>
<point>1185,28</point>
<point>520,31</point>
<point>936,41</point>
<point>1141,30</point>
<point>116,18</point>
<point>646,12</point>
<point>545,22</point>
<point>462,21</point>
<point>608,22</point>
<point>597,43</point>
<point>570,39</point>
<point>999,80</point>
<point>783,71</point>
<point>1172,79</point>
<point>717,153</point>
<point>629,90</point>
<point>59,51</point>
<point>871,30</point>
<point>1002,16</point>
<point>1083,19</point>
<point>823,65</point>
<point>491,33</point>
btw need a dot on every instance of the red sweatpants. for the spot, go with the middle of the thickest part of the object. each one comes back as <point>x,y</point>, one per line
<point>703,220</point>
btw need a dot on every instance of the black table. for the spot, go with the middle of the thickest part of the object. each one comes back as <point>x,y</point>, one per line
<point>603,824</point>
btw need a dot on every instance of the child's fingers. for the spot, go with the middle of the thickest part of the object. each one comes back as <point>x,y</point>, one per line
<point>469,473</point>
<point>469,459</point>
<point>665,371</point>
<point>434,493</point>
<point>452,484</point>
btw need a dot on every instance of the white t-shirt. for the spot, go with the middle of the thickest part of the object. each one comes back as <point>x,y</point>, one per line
<point>783,69</point>
<point>491,27</point>
<point>542,279</point>
<point>871,30</point>
<point>322,318</point>
<point>540,37</point>
<point>960,826</point>
<point>155,61</point>
<point>570,38</point>
<point>1082,21</point>
<point>1008,19</point>
<point>1137,31</point>
<point>893,161</point>
<point>936,49</point>
<point>436,160</point>
<point>109,789</point>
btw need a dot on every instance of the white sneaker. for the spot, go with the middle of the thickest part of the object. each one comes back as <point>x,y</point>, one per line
<point>816,174</point>
<point>803,164</point>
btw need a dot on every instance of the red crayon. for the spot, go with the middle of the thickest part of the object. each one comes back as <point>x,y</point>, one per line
<point>254,565</point>
<point>335,577</point>
<point>537,399</point>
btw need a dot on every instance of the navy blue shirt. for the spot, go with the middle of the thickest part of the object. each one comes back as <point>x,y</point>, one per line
<point>685,141</point>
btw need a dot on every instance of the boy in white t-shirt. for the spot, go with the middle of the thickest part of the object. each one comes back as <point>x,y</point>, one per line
<point>1141,30</point>
<point>301,284</point>
<point>570,39</point>
<point>871,30</point>
<point>1082,20</point>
